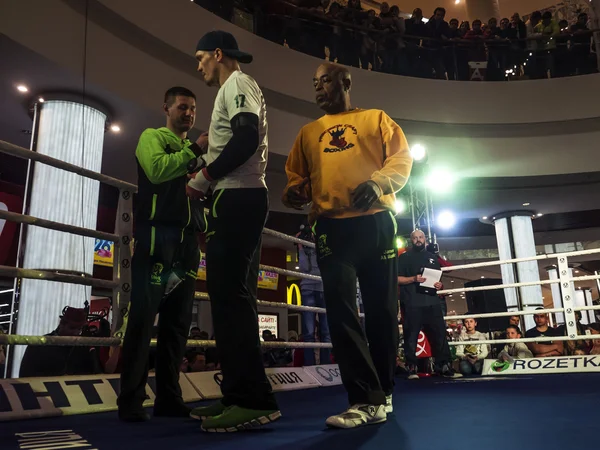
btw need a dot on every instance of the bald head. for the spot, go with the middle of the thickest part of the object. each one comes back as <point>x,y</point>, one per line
<point>332,83</point>
<point>418,240</point>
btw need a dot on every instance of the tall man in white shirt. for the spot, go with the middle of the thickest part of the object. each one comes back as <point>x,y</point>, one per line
<point>235,169</point>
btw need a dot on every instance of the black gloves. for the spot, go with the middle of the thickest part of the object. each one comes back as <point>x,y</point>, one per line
<point>365,195</point>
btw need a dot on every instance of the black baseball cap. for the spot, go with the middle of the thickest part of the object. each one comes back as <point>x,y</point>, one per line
<point>226,42</point>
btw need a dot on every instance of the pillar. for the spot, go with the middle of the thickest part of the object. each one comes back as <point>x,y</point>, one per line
<point>583,297</point>
<point>483,10</point>
<point>73,133</point>
<point>514,233</point>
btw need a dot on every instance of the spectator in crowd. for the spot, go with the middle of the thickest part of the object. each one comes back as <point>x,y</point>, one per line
<point>312,295</point>
<point>471,355</point>
<point>580,44</point>
<point>543,349</point>
<point>476,35</point>
<point>421,308</point>
<point>570,346</point>
<point>579,351</point>
<point>193,361</point>
<point>439,30</point>
<point>49,361</point>
<point>518,350</point>
<point>550,31</point>
<point>393,53</point>
<point>519,26</point>
<point>417,47</point>
<point>512,320</point>
<point>195,333</point>
<point>464,28</point>
<point>533,65</point>
<point>493,29</point>
<point>336,43</point>
<point>453,31</point>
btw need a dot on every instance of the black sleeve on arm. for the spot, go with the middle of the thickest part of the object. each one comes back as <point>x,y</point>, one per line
<point>240,147</point>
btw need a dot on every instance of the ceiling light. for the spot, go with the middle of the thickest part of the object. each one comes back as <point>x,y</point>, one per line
<point>484,218</point>
<point>22,88</point>
<point>41,100</point>
<point>446,220</point>
<point>457,2</point>
<point>115,128</point>
<point>417,151</point>
<point>539,214</point>
<point>297,267</point>
<point>526,204</point>
<point>577,271</point>
<point>482,276</point>
<point>452,281</point>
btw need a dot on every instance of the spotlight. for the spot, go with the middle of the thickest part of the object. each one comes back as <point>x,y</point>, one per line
<point>442,179</point>
<point>399,206</point>
<point>297,267</point>
<point>115,128</point>
<point>22,88</point>
<point>526,204</point>
<point>539,214</point>
<point>417,151</point>
<point>446,220</point>
<point>484,218</point>
<point>457,2</point>
<point>41,100</point>
<point>400,242</point>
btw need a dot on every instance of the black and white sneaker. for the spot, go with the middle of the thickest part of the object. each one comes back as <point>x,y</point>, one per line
<point>389,407</point>
<point>412,373</point>
<point>358,416</point>
<point>448,372</point>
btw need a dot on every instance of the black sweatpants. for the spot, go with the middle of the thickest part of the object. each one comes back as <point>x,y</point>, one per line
<point>430,319</point>
<point>233,243</point>
<point>361,247</point>
<point>157,249</point>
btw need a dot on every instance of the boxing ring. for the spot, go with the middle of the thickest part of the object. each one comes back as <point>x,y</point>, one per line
<point>521,407</point>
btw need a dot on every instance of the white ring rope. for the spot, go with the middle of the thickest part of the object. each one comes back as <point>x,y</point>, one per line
<point>14,272</point>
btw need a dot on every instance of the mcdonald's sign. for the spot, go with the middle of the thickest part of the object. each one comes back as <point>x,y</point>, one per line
<point>290,294</point>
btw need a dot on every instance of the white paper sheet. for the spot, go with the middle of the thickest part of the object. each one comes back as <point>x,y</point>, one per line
<point>431,276</point>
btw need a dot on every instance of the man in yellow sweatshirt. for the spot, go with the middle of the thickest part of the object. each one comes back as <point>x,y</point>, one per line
<point>349,164</point>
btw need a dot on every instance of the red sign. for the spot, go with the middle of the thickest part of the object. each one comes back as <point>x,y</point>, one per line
<point>423,347</point>
<point>8,229</point>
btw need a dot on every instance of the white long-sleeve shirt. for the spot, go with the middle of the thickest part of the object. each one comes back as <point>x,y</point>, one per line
<point>478,350</point>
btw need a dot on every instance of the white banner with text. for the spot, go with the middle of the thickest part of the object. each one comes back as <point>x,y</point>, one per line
<point>540,366</point>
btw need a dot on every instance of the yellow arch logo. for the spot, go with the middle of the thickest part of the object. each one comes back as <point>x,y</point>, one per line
<point>290,295</point>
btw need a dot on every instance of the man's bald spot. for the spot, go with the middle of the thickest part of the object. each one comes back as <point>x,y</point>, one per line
<point>335,71</point>
<point>416,232</point>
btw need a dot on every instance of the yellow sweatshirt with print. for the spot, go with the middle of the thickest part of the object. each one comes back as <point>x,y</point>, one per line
<point>340,151</point>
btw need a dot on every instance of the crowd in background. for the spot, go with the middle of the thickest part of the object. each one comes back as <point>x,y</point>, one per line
<point>437,47</point>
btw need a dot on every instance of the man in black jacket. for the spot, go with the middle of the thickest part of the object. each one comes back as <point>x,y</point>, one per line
<point>165,261</point>
<point>421,307</point>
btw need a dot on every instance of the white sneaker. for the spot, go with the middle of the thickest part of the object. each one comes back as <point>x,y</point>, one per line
<point>357,416</point>
<point>389,407</point>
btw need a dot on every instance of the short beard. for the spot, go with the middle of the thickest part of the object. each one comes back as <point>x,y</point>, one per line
<point>418,248</point>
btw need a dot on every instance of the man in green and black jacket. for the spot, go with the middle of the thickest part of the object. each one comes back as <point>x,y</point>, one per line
<point>165,260</point>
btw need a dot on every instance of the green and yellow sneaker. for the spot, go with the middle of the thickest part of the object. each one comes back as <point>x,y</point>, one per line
<point>203,412</point>
<point>236,418</point>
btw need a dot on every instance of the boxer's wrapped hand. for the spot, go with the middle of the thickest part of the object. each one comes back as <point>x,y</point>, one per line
<point>296,196</point>
<point>198,186</point>
<point>365,195</point>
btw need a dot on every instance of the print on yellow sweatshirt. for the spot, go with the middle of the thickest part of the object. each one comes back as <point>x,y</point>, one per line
<point>340,151</point>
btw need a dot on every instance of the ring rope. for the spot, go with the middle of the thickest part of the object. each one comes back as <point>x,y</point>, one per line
<point>286,237</point>
<point>34,274</point>
<point>86,341</point>
<point>518,260</point>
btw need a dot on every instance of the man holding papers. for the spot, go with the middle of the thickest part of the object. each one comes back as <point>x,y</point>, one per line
<point>419,277</point>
